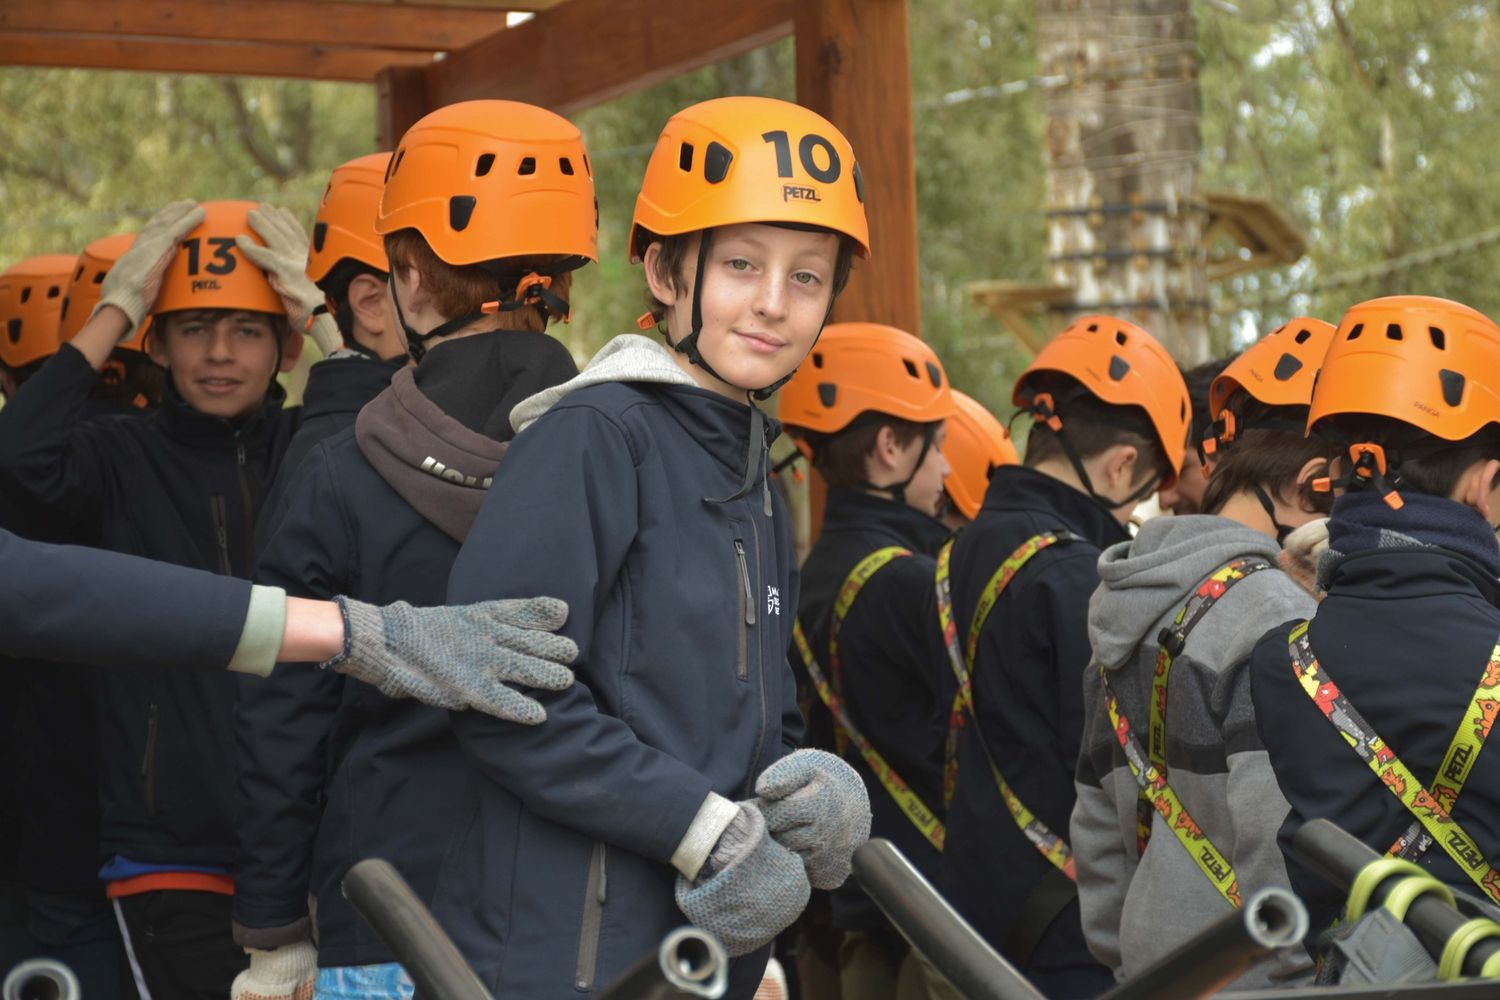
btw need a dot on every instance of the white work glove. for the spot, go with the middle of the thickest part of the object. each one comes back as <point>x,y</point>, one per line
<point>470,656</point>
<point>131,286</point>
<point>284,259</point>
<point>285,973</point>
<point>1303,550</point>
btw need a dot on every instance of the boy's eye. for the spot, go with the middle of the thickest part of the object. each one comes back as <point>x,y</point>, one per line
<point>806,278</point>
<point>739,264</point>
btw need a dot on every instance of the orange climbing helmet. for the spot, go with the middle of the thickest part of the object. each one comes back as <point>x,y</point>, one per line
<point>1277,370</point>
<point>749,159</point>
<point>1120,364</point>
<point>859,368</point>
<point>84,289</point>
<point>486,180</point>
<point>977,445</point>
<point>209,272</point>
<point>1426,362</point>
<point>31,298</point>
<point>345,225</point>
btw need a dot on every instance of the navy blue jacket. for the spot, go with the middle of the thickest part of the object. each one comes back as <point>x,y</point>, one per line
<point>559,878</point>
<point>81,605</point>
<point>1028,677</point>
<point>897,686</point>
<point>337,389</point>
<point>177,486</point>
<point>1405,633</point>
<point>332,771</point>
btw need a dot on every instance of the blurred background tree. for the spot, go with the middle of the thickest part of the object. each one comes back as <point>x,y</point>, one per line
<point>1370,122</point>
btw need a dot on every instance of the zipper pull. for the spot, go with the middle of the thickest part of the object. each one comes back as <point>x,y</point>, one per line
<point>239,452</point>
<point>739,552</point>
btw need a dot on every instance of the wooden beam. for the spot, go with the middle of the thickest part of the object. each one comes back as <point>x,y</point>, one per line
<point>400,99</point>
<point>292,22</point>
<point>585,52</point>
<point>165,55</point>
<point>500,5</point>
<point>854,68</point>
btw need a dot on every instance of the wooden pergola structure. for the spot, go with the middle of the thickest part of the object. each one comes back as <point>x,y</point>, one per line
<point>853,66</point>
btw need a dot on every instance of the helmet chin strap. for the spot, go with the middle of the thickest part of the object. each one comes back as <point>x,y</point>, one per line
<point>534,290</point>
<point>1044,410</point>
<point>1282,530</point>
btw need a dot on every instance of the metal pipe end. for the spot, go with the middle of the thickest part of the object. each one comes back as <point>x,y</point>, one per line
<point>1274,918</point>
<point>41,979</point>
<point>694,962</point>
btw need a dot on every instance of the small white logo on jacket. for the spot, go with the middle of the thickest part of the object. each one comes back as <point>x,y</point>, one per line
<point>773,601</point>
<point>432,465</point>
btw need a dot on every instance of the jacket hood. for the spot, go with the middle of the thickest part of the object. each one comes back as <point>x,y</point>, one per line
<point>627,358</point>
<point>1145,578</point>
<point>345,384</point>
<point>436,464</point>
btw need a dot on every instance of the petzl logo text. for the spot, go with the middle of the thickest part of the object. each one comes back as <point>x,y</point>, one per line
<point>791,192</point>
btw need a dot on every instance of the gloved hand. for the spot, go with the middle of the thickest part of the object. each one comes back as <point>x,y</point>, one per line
<point>132,284</point>
<point>816,805</point>
<point>284,259</point>
<point>461,657</point>
<point>750,890</point>
<point>1303,550</point>
<point>285,973</point>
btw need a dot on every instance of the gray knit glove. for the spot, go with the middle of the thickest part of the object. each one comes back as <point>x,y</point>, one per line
<point>460,657</point>
<point>132,284</point>
<point>816,805</point>
<point>751,889</point>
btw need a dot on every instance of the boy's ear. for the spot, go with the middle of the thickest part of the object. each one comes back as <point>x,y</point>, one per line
<point>1314,468</point>
<point>1120,466</point>
<point>366,296</point>
<point>156,343</point>
<point>291,350</point>
<point>665,291</point>
<point>1476,488</point>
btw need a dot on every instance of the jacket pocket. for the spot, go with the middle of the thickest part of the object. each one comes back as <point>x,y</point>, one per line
<point>595,895</point>
<point>746,612</point>
<point>148,760</point>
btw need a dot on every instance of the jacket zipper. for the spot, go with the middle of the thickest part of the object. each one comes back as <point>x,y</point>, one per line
<point>747,610</point>
<point>760,736</point>
<point>221,532</point>
<point>595,896</point>
<point>245,499</point>
<point>148,762</point>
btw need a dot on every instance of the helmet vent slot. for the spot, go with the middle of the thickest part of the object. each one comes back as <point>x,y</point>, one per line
<point>1286,367</point>
<point>1118,367</point>
<point>685,158</point>
<point>828,394</point>
<point>565,165</point>
<point>25,293</point>
<point>460,211</point>
<point>527,167</point>
<point>13,330</point>
<point>98,277</point>
<point>1120,337</point>
<point>1439,339</point>
<point>483,164</point>
<point>859,184</point>
<point>320,235</point>
<point>396,163</point>
<point>817,359</point>
<point>911,368</point>
<point>1355,331</point>
<point>716,160</point>
<point>53,291</point>
<point>934,375</point>
<point>1453,386</point>
<point>78,274</point>
<point>1093,328</point>
<point>1393,331</point>
<point>1303,335</point>
<point>588,168</point>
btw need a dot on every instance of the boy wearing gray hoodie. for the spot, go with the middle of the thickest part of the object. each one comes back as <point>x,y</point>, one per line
<point>1178,611</point>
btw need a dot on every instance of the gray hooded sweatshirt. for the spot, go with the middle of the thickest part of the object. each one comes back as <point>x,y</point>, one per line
<point>1136,908</point>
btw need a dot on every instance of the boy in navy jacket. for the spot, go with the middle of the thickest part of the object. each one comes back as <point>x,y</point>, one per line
<point>638,492</point>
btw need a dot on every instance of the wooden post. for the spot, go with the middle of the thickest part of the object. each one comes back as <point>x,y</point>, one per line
<point>400,99</point>
<point>854,68</point>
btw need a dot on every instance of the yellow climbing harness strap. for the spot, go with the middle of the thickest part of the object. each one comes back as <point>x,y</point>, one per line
<point>1427,807</point>
<point>961,659</point>
<point>1149,766</point>
<point>830,690</point>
